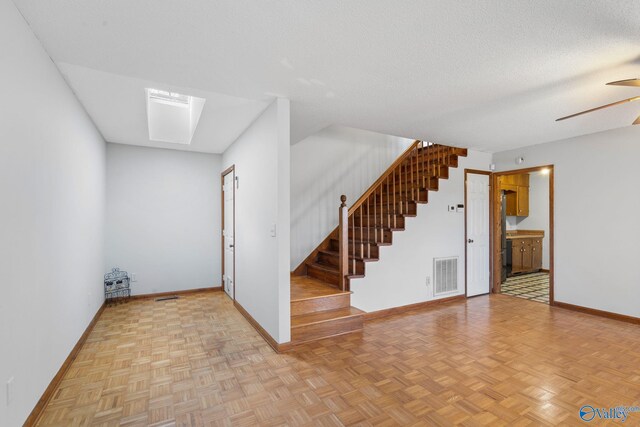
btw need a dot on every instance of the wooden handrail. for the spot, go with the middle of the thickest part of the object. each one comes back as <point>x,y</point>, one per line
<point>384,176</point>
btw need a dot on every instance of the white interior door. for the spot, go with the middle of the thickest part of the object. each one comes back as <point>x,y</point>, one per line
<point>227,234</point>
<point>477,234</point>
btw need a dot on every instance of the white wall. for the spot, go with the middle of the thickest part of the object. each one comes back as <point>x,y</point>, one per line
<point>538,218</point>
<point>332,162</point>
<point>261,159</point>
<point>163,217</point>
<point>400,277</point>
<point>596,228</point>
<point>52,180</point>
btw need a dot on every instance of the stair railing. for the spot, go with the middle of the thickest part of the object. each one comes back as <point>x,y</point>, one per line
<point>387,198</point>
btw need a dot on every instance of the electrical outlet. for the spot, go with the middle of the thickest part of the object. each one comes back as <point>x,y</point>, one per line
<point>134,277</point>
<point>428,280</point>
<point>10,385</point>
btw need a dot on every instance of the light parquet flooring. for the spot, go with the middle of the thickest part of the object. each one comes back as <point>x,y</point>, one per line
<point>485,361</point>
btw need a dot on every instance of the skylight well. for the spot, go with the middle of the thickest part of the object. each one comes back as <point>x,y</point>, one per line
<point>172,117</point>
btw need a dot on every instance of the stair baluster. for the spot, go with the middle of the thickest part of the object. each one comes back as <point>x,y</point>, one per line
<point>405,202</point>
<point>368,230</point>
<point>361,238</point>
<point>343,242</point>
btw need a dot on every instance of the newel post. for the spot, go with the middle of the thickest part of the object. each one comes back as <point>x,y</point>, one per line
<point>343,242</point>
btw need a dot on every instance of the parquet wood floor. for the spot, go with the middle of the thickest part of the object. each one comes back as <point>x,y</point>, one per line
<point>493,360</point>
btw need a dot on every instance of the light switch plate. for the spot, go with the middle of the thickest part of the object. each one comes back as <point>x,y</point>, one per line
<point>273,230</point>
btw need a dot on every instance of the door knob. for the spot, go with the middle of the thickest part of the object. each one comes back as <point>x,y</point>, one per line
<point>470,240</point>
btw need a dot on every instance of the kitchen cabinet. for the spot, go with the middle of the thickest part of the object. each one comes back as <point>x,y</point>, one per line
<point>522,205</point>
<point>526,253</point>
<point>520,255</point>
<point>516,188</point>
<point>536,254</point>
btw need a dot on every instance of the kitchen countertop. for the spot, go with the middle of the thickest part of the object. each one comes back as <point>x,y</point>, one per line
<point>524,234</point>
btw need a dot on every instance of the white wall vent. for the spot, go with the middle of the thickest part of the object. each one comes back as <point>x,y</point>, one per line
<point>445,275</point>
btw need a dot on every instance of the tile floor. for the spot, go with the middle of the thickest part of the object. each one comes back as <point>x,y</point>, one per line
<point>534,287</point>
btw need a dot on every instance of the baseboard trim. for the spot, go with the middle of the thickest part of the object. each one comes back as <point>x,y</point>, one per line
<point>596,312</point>
<point>38,410</point>
<point>278,348</point>
<point>372,315</point>
<point>182,292</point>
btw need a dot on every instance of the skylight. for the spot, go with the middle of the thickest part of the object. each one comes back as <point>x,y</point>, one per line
<point>172,117</point>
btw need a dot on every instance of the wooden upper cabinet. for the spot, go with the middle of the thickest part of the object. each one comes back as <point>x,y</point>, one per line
<point>522,180</point>
<point>510,180</point>
<point>523,201</point>
<point>517,192</point>
<point>512,203</point>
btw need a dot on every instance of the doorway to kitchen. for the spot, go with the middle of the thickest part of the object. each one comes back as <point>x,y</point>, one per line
<point>522,233</point>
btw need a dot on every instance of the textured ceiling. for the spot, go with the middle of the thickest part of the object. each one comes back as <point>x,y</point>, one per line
<point>489,75</point>
<point>118,106</point>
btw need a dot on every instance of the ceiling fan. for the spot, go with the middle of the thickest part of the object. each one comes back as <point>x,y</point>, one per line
<point>628,82</point>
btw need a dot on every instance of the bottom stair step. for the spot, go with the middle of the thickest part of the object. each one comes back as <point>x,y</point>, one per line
<point>315,304</point>
<point>324,324</point>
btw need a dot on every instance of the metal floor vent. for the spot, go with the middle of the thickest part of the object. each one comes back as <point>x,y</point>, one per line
<point>445,272</point>
<point>167,298</point>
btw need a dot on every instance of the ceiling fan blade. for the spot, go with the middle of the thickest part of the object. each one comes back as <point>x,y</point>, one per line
<point>624,101</point>
<point>628,82</point>
<point>637,121</point>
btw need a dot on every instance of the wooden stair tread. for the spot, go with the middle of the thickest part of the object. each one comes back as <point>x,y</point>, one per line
<point>323,267</point>
<point>324,316</point>
<point>305,287</point>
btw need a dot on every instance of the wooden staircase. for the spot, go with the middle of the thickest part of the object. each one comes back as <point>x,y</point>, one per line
<point>320,295</point>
